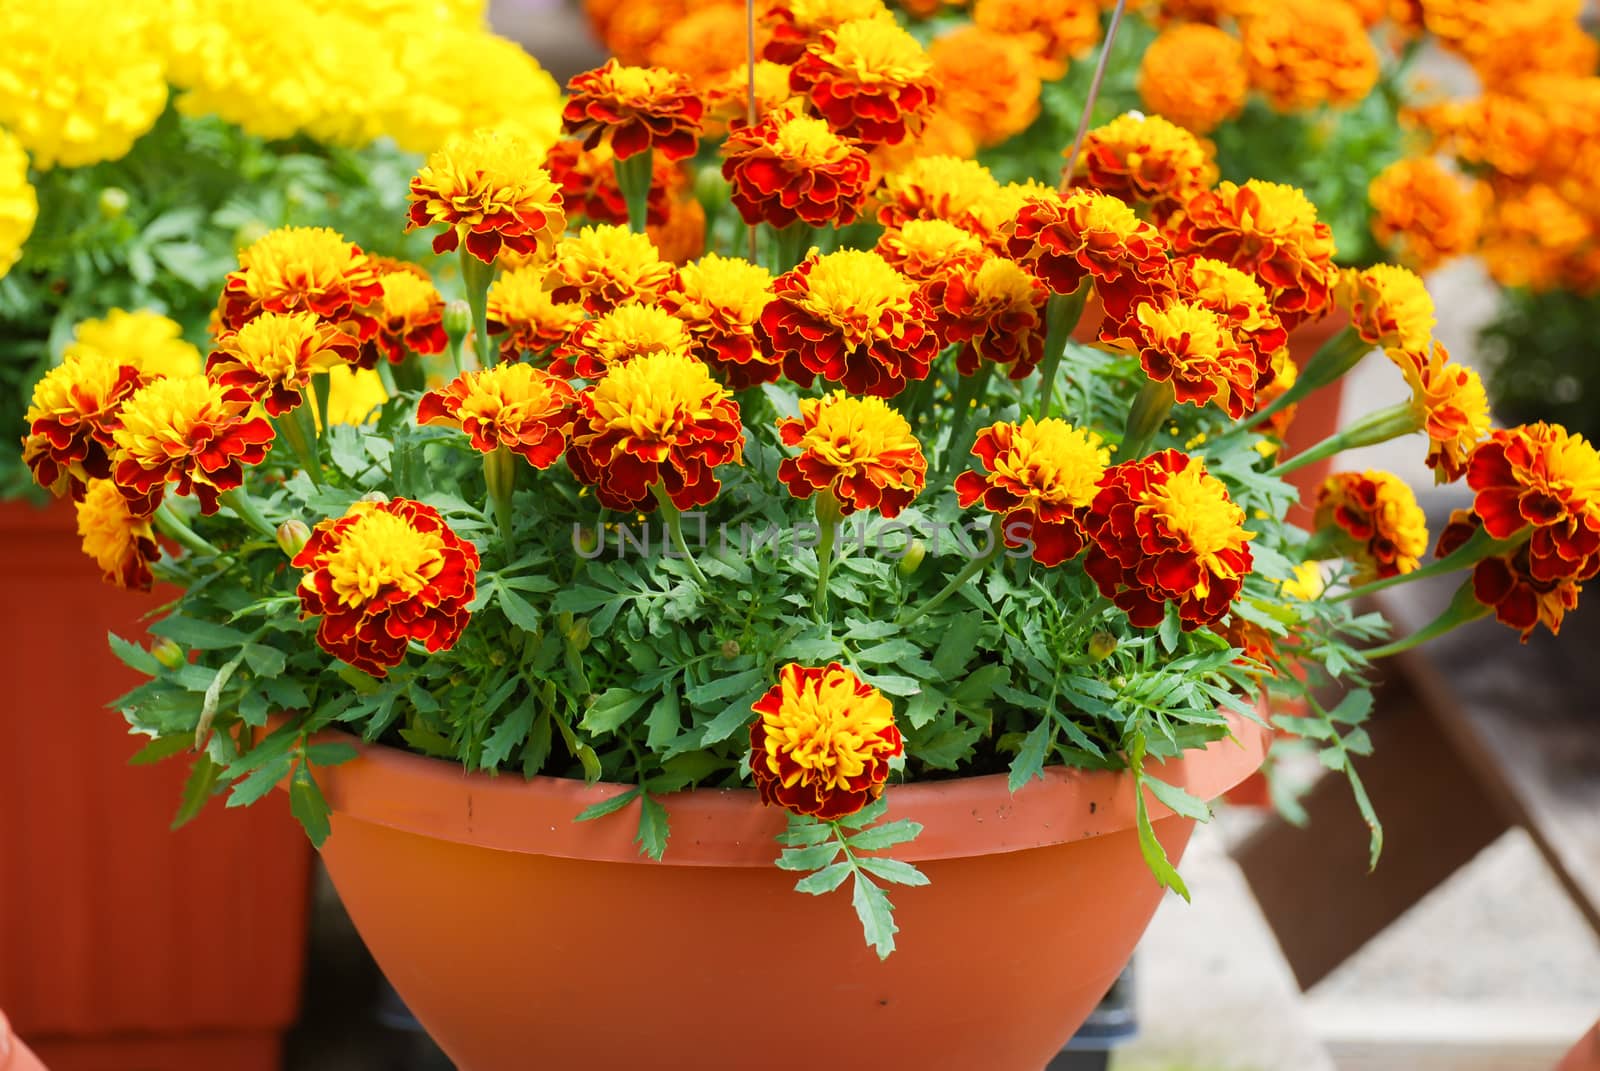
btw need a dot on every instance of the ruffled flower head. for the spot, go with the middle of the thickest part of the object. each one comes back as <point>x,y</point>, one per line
<point>858,449</point>
<point>516,406</point>
<point>925,249</point>
<point>1162,530</point>
<point>990,217</point>
<point>273,357</point>
<point>1055,31</point>
<point>1380,525</point>
<point>822,742</point>
<point>1506,584</point>
<point>189,431</point>
<point>523,308</point>
<point>604,267</point>
<point>794,25</point>
<point>151,342</point>
<point>122,544</point>
<point>1194,75</point>
<point>1450,405</point>
<point>617,337</point>
<point>1530,236</point>
<point>488,192</point>
<point>1087,236</point>
<point>1194,348</point>
<point>791,166</point>
<point>728,97</point>
<point>303,269</point>
<point>1145,160</point>
<point>657,421</point>
<point>1242,303</point>
<point>634,109</point>
<point>587,179</point>
<point>849,318</point>
<point>988,82</point>
<point>19,203</point>
<point>1038,478</point>
<point>720,299</point>
<point>383,575</point>
<point>1389,306</point>
<point>933,187</point>
<point>869,79</point>
<point>1541,477</point>
<point>994,309</point>
<point>1425,214</point>
<point>410,318</point>
<point>74,411</point>
<point>1305,53</point>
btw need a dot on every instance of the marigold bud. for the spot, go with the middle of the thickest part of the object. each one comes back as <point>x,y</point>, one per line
<point>730,648</point>
<point>374,496</point>
<point>457,318</point>
<point>292,535</point>
<point>578,634</point>
<point>1101,646</point>
<point>916,551</point>
<point>168,653</point>
<point>113,202</point>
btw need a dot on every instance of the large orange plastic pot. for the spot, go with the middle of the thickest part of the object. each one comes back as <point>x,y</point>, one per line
<point>522,939</point>
<point>1315,418</point>
<point>124,946</point>
<point>14,1055</point>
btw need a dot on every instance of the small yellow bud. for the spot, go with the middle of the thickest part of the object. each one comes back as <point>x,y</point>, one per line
<point>113,203</point>
<point>916,551</point>
<point>292,535</point>
<point>168,653</point>
<point>457,318</point>
<point>1101,646</point>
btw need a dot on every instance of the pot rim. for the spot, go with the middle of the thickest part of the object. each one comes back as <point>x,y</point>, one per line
<point>718,827</point>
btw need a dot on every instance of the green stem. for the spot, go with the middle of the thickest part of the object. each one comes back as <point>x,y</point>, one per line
<point>409,375</point>
<point>500,476</point>
<point>829,514</point>
<point>1148,412</point>
<point>1479,546</point>
<point>476,277</point>
<point>1464,607</point>
<point>971,569</point>
<point>674,522</point>
<point>1062,314</point>
<point>298,429</point>
<point>789,246</point>
<point>243,505</point>
<point>1371,429</point>
<point>321,391</point>
<point>968,392</point>
<point>173,527</point>
<point>1337,356</point>
<point>634,175</point>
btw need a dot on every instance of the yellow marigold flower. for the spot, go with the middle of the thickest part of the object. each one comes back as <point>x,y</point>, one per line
<point>190,431</point>
<point>1194,75</point>
<point>634,109</point>
<point>934,187</point>
<point>990,216</point>
<point>1307,584</point>
<point>19,204</point>
<point>1194,348</point>
<point>149,341</point>
<point>303,269</point>
<point>857,449</point>
<point>796,24</point>
<point>869,79</point>
<point>72,417</point>
<point>1529,236</point>
<point>1425,213</point>
<point>988,81</point>
<point>465,79</point>
<point>354,395</point>
<point>515,406</point>
<point>1378,520</point>
<point>1449,403</point>
<point>1039,477</point>
<point>720,299</point>
<point>617,336</point>
<point>489,192</point>
<point>121,544</point>
<point>410,318</point>
<point>524,310</point>
<point>727,97</point>
<point>923,249</point>
<point>81,81</point>
<point>274,356</point>
<point>788,166</point>
<point>1054,30</point>
<point>1145,160</point>
<point>822,743</point>
<point>1302,53</point>
<point>993,308</point>
<point>609,266</point>
<point>1541,476</point>
<point>1389,306</point>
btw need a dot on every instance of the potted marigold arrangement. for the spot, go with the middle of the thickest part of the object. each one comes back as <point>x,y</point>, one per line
<point>822,563</point>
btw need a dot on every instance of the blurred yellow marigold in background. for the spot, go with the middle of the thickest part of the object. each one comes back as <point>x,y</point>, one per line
<point>466,79</point>
<point>1424,213</point>
<point>989,82</point>
<point>1194,75</point>
<point>19,204</point>
<point>147,340</point>
<point>1302,53</point>
<point>71,97</point>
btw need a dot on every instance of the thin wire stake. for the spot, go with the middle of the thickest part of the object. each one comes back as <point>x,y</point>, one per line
<point>1094,93</point>
<point>750,93</point>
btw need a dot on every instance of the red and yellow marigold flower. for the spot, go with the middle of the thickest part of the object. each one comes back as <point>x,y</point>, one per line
<point>634,109</point>
<point>1542,477</point>
<point>1389,306</point>
<point>1145,160</point>
<point>1424,213</point>
<point>1162,530</point>
<point>1194,75</point>
<point>1087,235</point>
<point>523,308</point>
<point>1055,31</point>
<point>794,25</point>
<point>489,193</point>
<point>822,742</point>
<point>1379,524</point>
<point>1243,304</point>
<point>987,81</point>
<point>516,406</point>
<point>851,319</point>
<point>1450,406</point>
<point>152,343</point>
<point>121,543</point>
<point>303,269</point>
<point>383,575</point>
<point>587,179</point>
<point>933,187</point>
<point>925,249</point>
<point>720,299</point>
<point>189,431</point>
<point>617,337</point>
<point>1305,53</point>
<point>869,79</point>
<point>1193,348</point>
<point>273,357</point>
<point>995,309</point>
<point>659,421</point>
<point>990,216</point>
<point>410,318</point>
<point>728,98</point>
<point>72,417</point>
<point>1270,231</point>
<point>1039,477</point>
<point>1505,582</point>
<point>791,166</point>
<point>607,266</point>
<point>858,449</point>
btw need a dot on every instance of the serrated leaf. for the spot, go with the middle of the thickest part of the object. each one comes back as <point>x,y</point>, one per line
<point>808,858</point>
<point>133,656</point>
<point>900,831</point>
<point>611,709</point>
<point>580,599</point>
<point>1155,856</point>
<point>1353,709</point>
<point>307,803</point>
<point>518,610</point>
<point>653,827</point>
<point>162,748</point>
<point>887,652</point>
<point>1171,629</point>
<point>876,914</point>
<point>511,732</point>
<point>825,880</point>
<point>1029,762</point>
<point>605,807</point>
<point>201,635</point>
<point>734,717</point>
<point>664,721</point>
<point>330,753</point>
<point>1178,800</point>
<point>264,661</point>
<point>724,687</point>
<point>866,815</point>
<point>924,707</point>
<point>980,685</point>
<point>199,787</point>
<point>957,647</point>
<point>805,832</point>
<point>892,870</point>
<point>260,780</point>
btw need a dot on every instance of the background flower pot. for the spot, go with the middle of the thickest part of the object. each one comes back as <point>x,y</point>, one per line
<point>124,945</point>
<point>524,939</point>
<point>14,1055</point>
<point>1317,417</point>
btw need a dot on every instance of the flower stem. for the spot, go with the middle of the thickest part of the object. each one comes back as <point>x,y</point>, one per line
<point>633,175</point>
<point>971,569</point>
<point>1061,315</point>
<point>500,476</point>
<point>1150,409</point>
<point>1094,93</point>
<point>968,393</point>
<point>1464,607</point>
<point>674,522</point>
<point>790,245</point>
<point>298,428</point>
<point>173,527</point>
<point>1479,545</point>
<point>242,504</point>
<point>1371,429</point>
<point>829,514</point>
<point>476,276</point>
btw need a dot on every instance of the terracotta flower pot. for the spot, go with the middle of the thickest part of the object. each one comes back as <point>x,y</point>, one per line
<point>523,939</point>
<point>1317,417</point>
<point>14,1055</point>
<point>124,945</point>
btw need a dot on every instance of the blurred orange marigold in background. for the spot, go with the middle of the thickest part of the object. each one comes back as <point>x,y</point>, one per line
<point>1303,53</point>
<point>1423,213</point>
<point>869,79</point>
<point>1055,31</point>
<point>795,24</point>
<point>1194,75</point>
<point>988,82</point>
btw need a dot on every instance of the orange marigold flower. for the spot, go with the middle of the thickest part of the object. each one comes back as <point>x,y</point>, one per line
<point>190,431</point>
<point>682,235</point>
<point>618,336</point>
<point>728,98</point>
<point>1541,476</point>
<point>791,166</point>
<point>523,309</point>
<point>1379,523</point>
<point>1039,477</point>
<point>1162,530</point>
<point>489,192</point>
<point>72,417</point>
<point>587,179</point>
<point>410,319</point>
<point>1450,405</point>
<point>942,134</point>
<point>988,81</point>
<point>1192,347</point>
<point>1304,53</point>
<point>796,24</point>
<point>1505,582</point>
<point>1389,306</point>
<point>849,318</point>
<point>638,107</point>
<point>121,544</point>
<point>934,187</point>
<point>303,269</point>
<point>1194,75</point>
<point>1087,235</point>
<point>682,44</point>
<point>516,406</point>
<point>925,249</point>
<point>822,742</point>
<point>1145,160</point>
<point>273,357</point>
<point>384,574</point>
<point>1531,234</point>
<point>719,299</point>
<point>858,449</point>
<point>869,79</point>
<point>607,266</point>
<point>1270,231</point>
<point>657,424</point>
<point>1242,303</point>
<point>995,310</point>
<point>1055,31</point>
<point>1504,131</point>
<point>1426,214</point>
